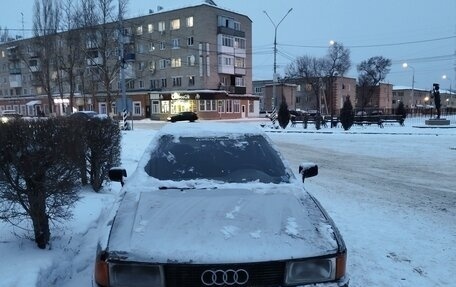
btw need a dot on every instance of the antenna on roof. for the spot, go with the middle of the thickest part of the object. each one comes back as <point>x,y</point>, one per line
<point>159,8</point>
<point>210,2</point>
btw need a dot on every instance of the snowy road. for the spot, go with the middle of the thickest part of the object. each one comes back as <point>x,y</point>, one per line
<point>394,202</point>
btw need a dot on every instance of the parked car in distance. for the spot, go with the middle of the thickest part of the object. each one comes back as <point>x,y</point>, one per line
<point>216,205</point>
<point>183,116</point>
<point>85,115</point>
<point>7,115</point>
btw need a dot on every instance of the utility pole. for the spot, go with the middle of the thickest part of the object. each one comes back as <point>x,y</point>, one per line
<point>275,76</point>
<point>122,71</point>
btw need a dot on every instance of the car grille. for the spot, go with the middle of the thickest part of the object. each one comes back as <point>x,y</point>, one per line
<point>259,274</point>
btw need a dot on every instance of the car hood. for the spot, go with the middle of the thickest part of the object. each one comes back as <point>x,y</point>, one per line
<point>204,226</point>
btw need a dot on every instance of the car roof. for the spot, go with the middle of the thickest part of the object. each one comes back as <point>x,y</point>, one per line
<point>212,129</point>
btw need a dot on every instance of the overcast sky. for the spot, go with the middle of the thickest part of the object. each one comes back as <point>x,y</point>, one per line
<point>420,32</point>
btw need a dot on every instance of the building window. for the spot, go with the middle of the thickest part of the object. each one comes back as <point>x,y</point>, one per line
<point>221,106</point>
<point>141,66</point>
<point>191,80</point>
<point>175,43</point>
<point>130,85</point>
<point>237,106</point>
<point>191,60</point>
<point>165,107</point>
<point>155,109</point>
<point>227,41</point>
<point>190,21</point>
<point>239,63</point>
<point>190,41</point>
<point>150,28</point>
<point>240,82</point>
<point>154,84</point>
<point>229,106</point>
<point>114,108</point>
<point>239,43</point>
<point>162,63</point>
<point>207,105</point>
<point>177,81</point>
<point>176,63</point>
<point>164,84</point>
<point>139,30</point>
<point>162,45</point>
<point>102,108</point>
<point>161,26</point>
<point>237,26</point>
<point>151,47</point>
<point>141,84</point>
<point>136,108</point>
<point>175,24</point>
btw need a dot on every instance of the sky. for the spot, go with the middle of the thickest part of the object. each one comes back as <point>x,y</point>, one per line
<point>419,32</point>
<point>383,200</point>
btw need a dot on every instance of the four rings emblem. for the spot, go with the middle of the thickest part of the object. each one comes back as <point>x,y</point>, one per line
<point>224,277</point>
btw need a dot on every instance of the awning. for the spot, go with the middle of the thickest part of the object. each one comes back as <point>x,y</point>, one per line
<point>32,103</point>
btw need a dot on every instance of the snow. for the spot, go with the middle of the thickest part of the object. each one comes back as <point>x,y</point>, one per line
<point>390,191</point>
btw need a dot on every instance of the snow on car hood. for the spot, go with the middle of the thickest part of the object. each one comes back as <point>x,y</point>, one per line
<point>219,226</point>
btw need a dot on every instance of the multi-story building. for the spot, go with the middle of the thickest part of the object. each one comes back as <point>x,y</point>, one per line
<point>197,58</point>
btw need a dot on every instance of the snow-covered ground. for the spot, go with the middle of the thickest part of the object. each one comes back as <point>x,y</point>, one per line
<point>391,192</point>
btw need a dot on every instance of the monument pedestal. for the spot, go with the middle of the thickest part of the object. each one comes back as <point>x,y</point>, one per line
<point>437,122</point>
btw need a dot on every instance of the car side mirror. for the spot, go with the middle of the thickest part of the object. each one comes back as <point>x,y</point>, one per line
<point>308,170</point>
<point>117,174</point>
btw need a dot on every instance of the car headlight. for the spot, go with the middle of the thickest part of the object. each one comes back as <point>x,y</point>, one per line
<point>4,119</point>
<point>138,275</point>
<point>311,271</point>
<point>168,118</point>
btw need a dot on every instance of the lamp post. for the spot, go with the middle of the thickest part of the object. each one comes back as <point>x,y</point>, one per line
<point>274,76</point>
<point>444,77</point>
<point>405,66</point>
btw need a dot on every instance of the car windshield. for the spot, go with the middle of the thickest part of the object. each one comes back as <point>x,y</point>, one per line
<point>228,159</point>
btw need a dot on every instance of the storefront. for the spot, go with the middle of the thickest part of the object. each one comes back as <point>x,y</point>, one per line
<point>206,103</point>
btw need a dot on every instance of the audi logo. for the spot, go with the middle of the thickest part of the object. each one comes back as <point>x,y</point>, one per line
<point>224,277</point>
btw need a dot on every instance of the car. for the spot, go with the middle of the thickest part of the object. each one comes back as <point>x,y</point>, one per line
<point>8,115</point>
<point>217,205</point>
<point>84,114</point>
<point>183,116</point>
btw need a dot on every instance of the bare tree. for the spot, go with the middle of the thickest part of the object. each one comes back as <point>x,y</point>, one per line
<point>371,73</point>
<point>312,69</point>
<point>45,27</point>
<point>70,59</point>
<point>102,41</point>
<point>337,64</point>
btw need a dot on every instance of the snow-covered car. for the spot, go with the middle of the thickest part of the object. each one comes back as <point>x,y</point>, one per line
<point>217,205</point>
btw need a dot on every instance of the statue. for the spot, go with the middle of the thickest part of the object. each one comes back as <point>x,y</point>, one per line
<point>436,96</point>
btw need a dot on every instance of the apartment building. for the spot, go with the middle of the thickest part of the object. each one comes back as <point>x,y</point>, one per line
<point>196,58</point>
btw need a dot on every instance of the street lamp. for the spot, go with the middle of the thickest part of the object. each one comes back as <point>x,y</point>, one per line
<point>451,94</point>
<point>274,76</point>
<point>405,66</point>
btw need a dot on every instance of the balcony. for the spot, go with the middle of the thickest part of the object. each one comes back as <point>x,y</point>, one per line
<point>232,32</point>
<point>15,71</point>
